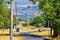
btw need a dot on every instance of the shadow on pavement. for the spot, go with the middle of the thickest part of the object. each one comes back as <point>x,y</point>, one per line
<point>31,35</point>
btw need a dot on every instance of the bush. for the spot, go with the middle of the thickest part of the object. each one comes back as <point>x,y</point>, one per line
<point>24,24</point>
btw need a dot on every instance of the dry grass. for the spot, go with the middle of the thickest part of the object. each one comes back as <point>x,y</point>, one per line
<point>24,29</point>
<point>43,33</point>
<point>4,35</point>
<point>8,38</point>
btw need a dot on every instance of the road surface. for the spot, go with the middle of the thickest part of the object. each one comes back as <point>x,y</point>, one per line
<point>29,36</point>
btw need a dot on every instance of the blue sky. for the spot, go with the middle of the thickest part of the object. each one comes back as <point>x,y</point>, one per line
<point>32,8</point>
<point>21,0</point>
<point>22,7</point>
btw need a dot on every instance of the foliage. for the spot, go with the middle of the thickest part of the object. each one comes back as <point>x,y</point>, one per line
<point>34,1</point>
<point>37,21</point>
<point>52,12</point>
<point>24,24</point>
<point>57,22</point>
<point>20,19</point>
<point>4,15</point>
<point>8,1</point>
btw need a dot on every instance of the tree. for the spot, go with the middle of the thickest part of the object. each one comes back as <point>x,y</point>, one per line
<point>37,21</point>
<point>4,14</point>
<point>52,12</point>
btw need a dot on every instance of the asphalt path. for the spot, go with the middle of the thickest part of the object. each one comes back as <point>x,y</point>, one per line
<point>30,36</point>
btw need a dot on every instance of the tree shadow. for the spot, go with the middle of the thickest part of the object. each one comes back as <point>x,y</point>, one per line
<point>4,34</point>
<point>8,35</point>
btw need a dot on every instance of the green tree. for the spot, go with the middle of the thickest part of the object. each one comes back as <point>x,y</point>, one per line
<point>4,14</point>
<point>37,21</point>
<point>51,9</point>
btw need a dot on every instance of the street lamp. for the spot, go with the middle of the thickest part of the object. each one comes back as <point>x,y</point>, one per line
<point>28,15</point>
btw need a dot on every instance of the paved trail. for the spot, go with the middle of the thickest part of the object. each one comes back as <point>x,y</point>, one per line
<point>33,38</point>
<point>29,36</point>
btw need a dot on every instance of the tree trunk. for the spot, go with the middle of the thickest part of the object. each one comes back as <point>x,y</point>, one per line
<point>58,38</point>
<point>51,29</point>
<point>55,32</point>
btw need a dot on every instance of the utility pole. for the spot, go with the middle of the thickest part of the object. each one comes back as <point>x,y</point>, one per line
<point>11,21</point>
<point>16,12</point>
<point>17,27</point>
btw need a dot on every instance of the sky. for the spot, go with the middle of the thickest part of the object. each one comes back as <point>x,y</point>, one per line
<point>21,5</point>
<point>22,10</point>
<point>22,0</point>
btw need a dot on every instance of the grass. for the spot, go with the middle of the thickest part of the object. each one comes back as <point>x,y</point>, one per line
<point>8,38</point>
<point>4,35</point>
<point>45,33</point>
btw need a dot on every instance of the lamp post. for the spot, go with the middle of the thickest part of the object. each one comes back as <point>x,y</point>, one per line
<point>28,15</point>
